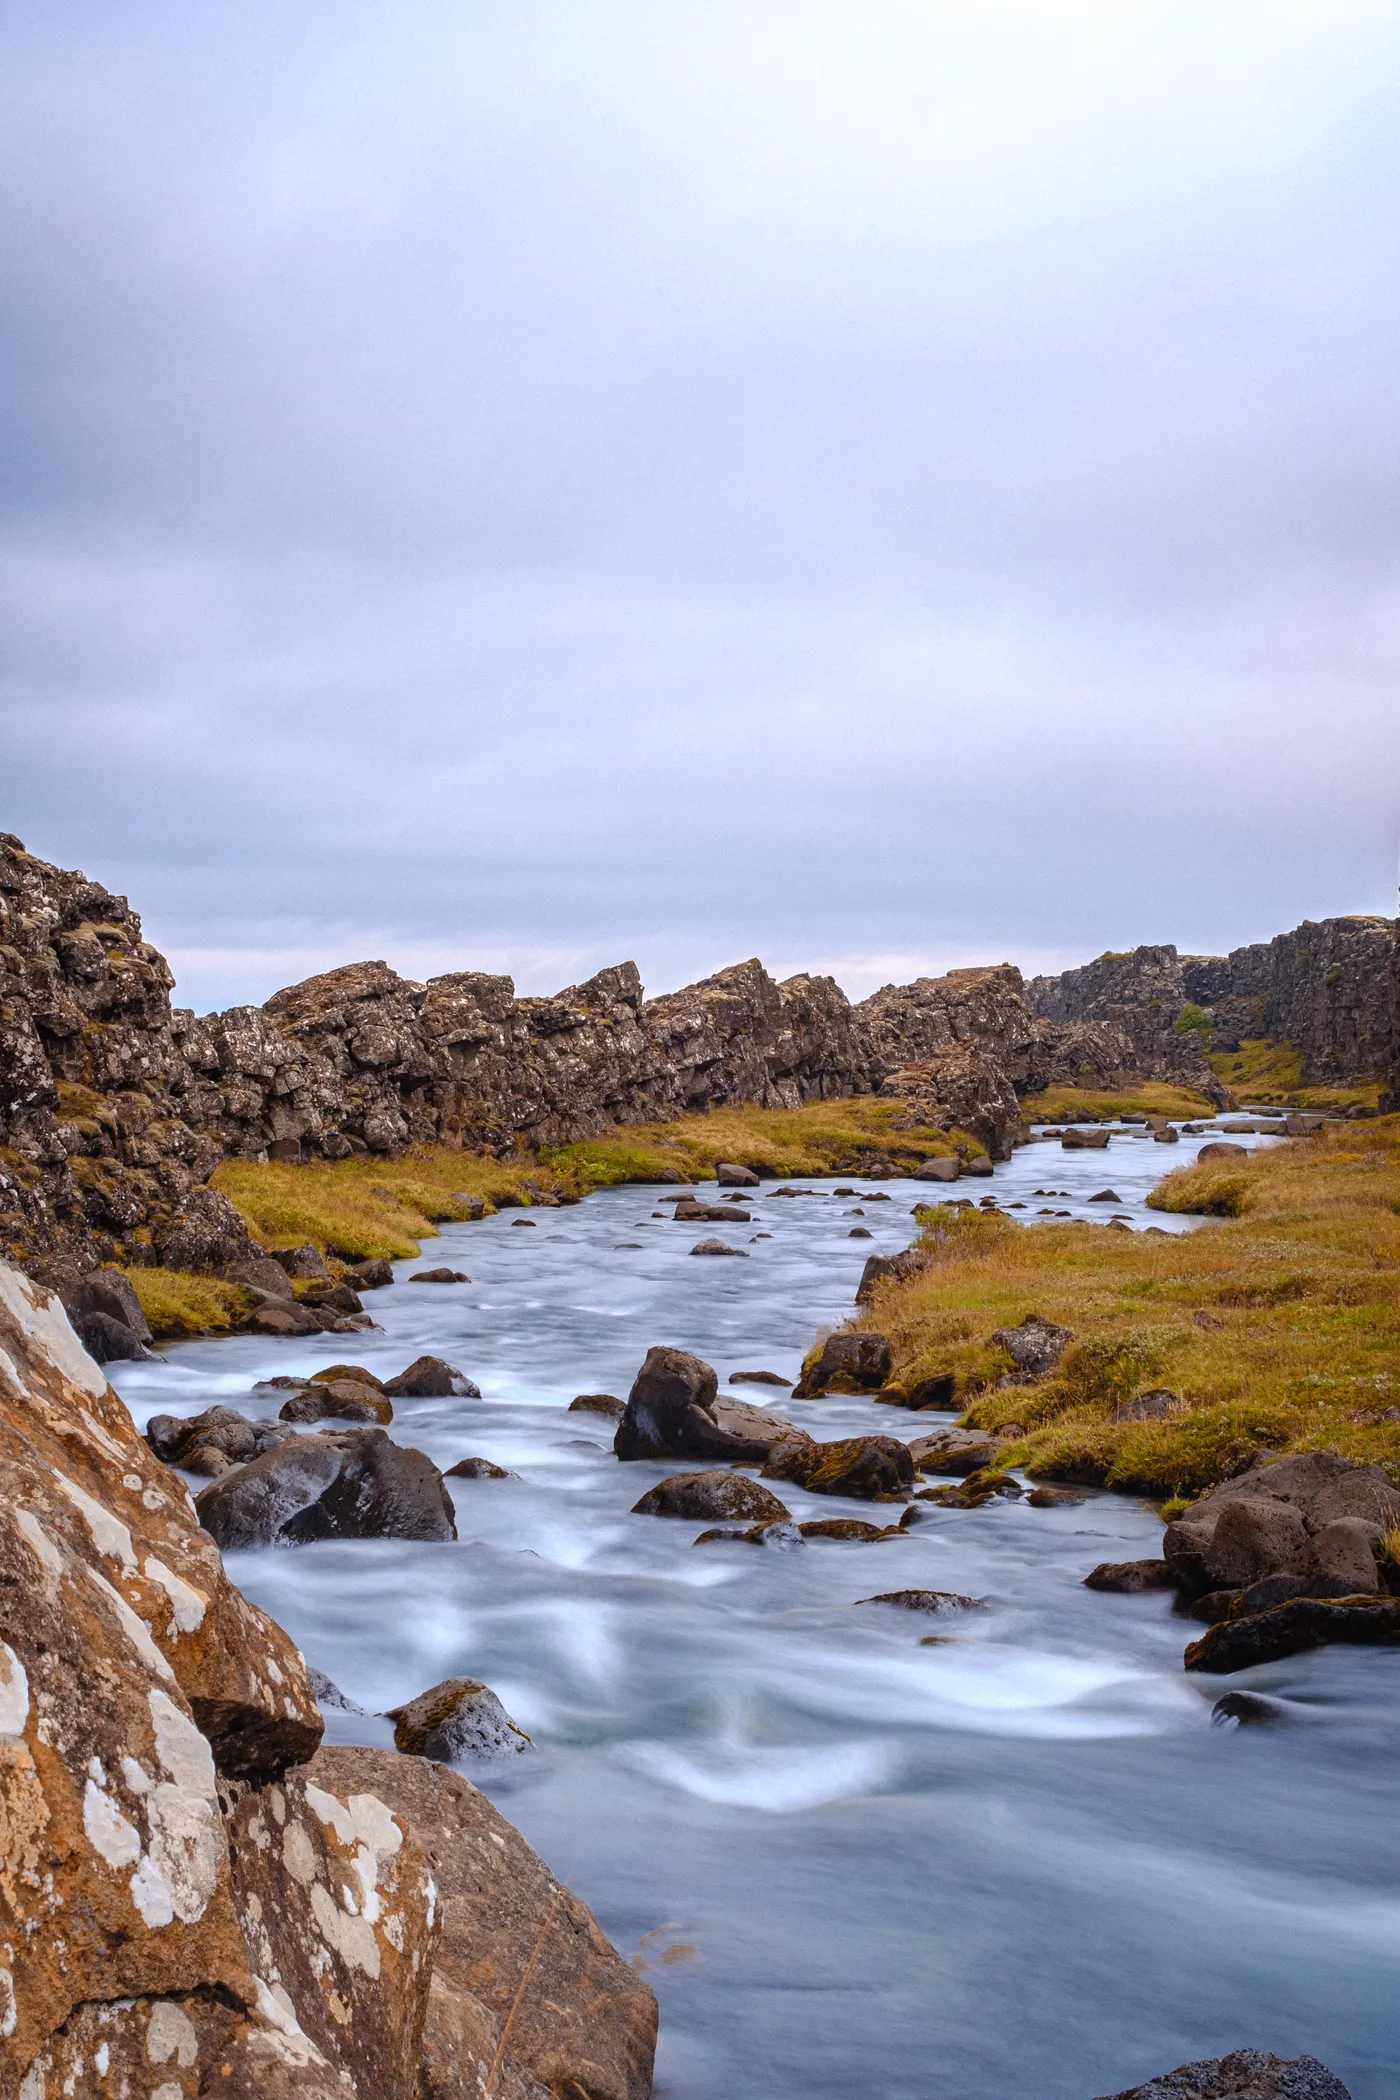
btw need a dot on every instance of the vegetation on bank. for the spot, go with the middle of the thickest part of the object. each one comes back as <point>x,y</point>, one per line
<point>367,1207</point>
<point>177,1304</point>
<point>1271,1073</point>
<point>1277,1328</point>
<point>822,1137</point>
<point>1083,1104</point>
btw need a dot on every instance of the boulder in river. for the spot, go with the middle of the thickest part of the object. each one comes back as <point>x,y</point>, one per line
<point>171,1436</point>
<point>730,1175</point>
<point>370,1275</point>
<point>711,1214</point>
<point>459,1721</point>
<point>854,1531</point>
<point>343,1399</point>
<point>440,1275</point>
<point>1130,1577</point>
<point>1288,1629</point>
<point>700,1496</point>
<point>1271,1519</point>
<point>926,1600</point>
<point>944,1168</point>
<point>846,1363</point>
<point>879,1266</point>
<point>781,1533</point>
<point>599,1404</point>
<point>346,1484</point>
<point>478,1469</point>
<point>718,1247</point>
<point>432,1378</point>
<point>1246,2074</point>
<point>954,1451</point>
<point>1219,1152</point>
<point>1106,1196</point>
<point>758,1378</point>
<point>671,1413</point>
<point>869,1468</point>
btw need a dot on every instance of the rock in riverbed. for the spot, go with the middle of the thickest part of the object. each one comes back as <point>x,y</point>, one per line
<point>955,1451</point>
<point>432,1378</point>
<point>717,1494</point>
<point>847,1363</point>
<point>926,1600</point>
<point>870,1468</point>
<point>346,1484</point>
<point>1246,2074</point>
<point>599,1404</point>
<point>343,1399</point>
<point>1288,1629</point>
<point>1282,1518</point>
<point>671,1412</point>
<point>459,1720</point>
<point>1131,1577</point>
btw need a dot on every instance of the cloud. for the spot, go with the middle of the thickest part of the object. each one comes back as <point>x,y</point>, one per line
<point>522,485</point>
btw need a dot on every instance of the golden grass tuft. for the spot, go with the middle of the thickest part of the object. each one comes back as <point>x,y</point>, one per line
<point>1271,1073</point>
<point>177,1305</point>
<point>1279,1326</point>
<point>823,1137</point>
<point>1083,1104</point>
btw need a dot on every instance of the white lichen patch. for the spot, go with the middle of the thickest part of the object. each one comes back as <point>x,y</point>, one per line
<point>138,1779</point>
<point>299,1855</point>
<point>44,1324</point>
<point>9,2013</point>
<point>100,1437</point>
<point>14,1694</point>
<point>135,1629</point>
<point>186,1854</point>
<point>109,1833</point>
<point>37,1539</point>
<point>352,1938</point>
<point>171,2033</point>
<point>187,1604</point>
<point>109,1534</point>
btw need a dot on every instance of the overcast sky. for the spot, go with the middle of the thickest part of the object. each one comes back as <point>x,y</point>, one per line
<point>874,485</point>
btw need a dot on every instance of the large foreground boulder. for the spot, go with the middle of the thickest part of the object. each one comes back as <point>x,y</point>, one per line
<point>524,1986</point>
<point>671,1413</point>
<point>346,1484</point>
<point>1246,2074</point>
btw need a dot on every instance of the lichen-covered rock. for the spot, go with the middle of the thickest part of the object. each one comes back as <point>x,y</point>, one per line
<point>701,1496</point>
<point>459,1720</point>
<point>925,1600</point>
<point>343,1399</point>
<point>1035,1346</point>
<point>521,1963</point>
<point>346,1484</point>
<point>954,1451</point>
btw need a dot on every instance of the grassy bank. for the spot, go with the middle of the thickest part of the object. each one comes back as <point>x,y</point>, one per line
<point>357,1209</point>
<point>824,1137</point>
<point>1278,1327</point>
<point>1271,1074</point>
<point>1082,1104</point>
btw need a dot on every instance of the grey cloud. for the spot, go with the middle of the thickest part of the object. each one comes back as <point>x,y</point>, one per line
<point>840,484</point>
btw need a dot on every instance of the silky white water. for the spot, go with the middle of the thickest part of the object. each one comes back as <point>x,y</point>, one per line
<point>1019,1863</point>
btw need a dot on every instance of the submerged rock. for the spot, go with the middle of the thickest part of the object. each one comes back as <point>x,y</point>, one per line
<point>345,1399</point>
<point>348,1484</point>
<point>718,1247</point>
<point>715,1494</point>
<point>1131,1577</point>
<point>854,1529</point>
<point>927,1600</point>
<point>478,1469</point>
<point>599,1404</point>
<point>1245,1710</point>
<point>1246,2074</point>
<point>758,1378</point>
<point>459,1720</point>
<point>780,1533</point>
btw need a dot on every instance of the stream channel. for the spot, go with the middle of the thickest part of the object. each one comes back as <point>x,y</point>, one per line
<point>1018,1865</point>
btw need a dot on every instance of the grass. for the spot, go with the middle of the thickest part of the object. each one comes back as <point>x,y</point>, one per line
<point>360,1208</point>
<point>1082,1104</point>
<point>824,1137</point>
<point>176,1304</point>
<point>1279,1326</point>
<point>1271,1073</point>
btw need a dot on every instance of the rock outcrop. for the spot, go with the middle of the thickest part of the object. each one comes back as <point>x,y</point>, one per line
<point>1140,994</point>
<point>195,1897</point>
<point>115,1107</point>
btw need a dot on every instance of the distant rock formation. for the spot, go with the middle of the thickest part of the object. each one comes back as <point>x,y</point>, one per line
<point>115,1108</point>
<point>1325,988</point>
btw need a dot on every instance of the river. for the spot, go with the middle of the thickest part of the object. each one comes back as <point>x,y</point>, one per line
<point>1018,1865</point>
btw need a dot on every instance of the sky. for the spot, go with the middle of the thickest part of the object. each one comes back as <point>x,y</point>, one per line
<point>879,486</point>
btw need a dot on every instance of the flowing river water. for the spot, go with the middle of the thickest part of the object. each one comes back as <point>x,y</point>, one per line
<point>1021,1864</point>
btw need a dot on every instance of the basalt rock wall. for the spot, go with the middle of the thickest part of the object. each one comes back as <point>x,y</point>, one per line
<point>1325,987</point>
<point>115,1107</point>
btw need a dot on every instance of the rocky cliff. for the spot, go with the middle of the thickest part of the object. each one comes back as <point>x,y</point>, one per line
<point>196,1898</point>
<point>1325,988</point>
<point>115,1107</point>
